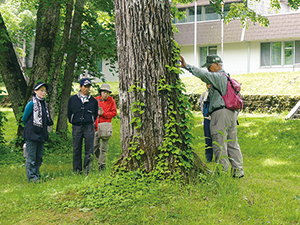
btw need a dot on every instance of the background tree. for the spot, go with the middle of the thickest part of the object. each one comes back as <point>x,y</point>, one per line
<point>13,76</point>
<point>52,18</point>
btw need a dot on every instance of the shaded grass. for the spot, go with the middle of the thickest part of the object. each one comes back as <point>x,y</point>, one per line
<point>269,193</point>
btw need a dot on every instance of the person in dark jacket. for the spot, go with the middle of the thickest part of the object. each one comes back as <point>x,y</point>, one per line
<point>36,118</point>
<point>82,113</point>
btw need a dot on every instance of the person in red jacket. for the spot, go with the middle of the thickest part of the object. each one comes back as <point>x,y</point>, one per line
<point>103,126</point>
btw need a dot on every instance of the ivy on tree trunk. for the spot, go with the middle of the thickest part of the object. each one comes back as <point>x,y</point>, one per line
<point>154,134</point>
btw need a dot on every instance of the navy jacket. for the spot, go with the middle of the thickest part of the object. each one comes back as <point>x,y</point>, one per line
<point>34,133</point>
<point>82,113</point>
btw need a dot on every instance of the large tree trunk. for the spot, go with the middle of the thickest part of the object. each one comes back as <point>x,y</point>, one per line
<point>73,49</point>
<point>145,45</point>
<point>11,73</point>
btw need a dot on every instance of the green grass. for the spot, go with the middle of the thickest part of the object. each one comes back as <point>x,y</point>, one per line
<point>283,83</point>
<point>279,83</point>
<point>268,194</point>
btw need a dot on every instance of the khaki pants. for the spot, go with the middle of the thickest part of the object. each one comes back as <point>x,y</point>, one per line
<point>225,120</point>
<point>101,142</point>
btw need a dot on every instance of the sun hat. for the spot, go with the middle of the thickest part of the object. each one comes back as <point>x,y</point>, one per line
<point>210,59</point>
<point>48,87</point>
<point>105,87</point>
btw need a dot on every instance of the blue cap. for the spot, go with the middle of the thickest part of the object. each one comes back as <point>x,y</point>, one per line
<point>85,81</point>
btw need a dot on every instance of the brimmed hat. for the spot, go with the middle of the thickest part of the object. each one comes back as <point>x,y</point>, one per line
<point>85,81</point>
<point>105,87</point>
<point>210,59</point>
<point>48,87</point>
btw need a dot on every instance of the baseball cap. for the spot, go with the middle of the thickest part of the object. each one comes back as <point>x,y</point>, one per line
<point>85,82</point>
<point>210,59</point>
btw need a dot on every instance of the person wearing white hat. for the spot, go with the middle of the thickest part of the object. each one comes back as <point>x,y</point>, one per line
<point>36,118</point>
<point>103,126</point>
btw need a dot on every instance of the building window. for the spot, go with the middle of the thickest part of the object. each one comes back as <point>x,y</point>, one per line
<point>280,53</point>
<point>210,13</point>
<point>205,51</point>
<point>276,53</point>
<point>288,53</point>
<point>297,51</point>
<point>191,16</point>
<point>183,19</point>
<point>203,13</point>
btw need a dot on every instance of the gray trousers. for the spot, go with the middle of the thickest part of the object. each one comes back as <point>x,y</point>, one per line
<point>225,121</point>
<point>100,149</point>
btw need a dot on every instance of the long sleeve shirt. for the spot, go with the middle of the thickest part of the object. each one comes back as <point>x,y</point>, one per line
<point>109,110</point>
<point>217,81</point>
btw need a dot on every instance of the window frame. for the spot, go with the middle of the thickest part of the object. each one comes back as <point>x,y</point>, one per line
<point>268,54</point>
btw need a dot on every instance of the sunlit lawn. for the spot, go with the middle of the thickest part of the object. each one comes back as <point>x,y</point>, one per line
<point>268,194</point>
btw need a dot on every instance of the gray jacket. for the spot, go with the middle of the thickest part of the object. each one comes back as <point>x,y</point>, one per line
<point>217,80</point>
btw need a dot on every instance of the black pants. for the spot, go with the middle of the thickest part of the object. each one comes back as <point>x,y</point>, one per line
<point>79,133</point>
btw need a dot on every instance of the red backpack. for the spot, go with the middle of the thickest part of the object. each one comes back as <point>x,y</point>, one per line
<point>232,98</point>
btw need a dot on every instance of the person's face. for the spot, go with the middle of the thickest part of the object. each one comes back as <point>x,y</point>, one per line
<point>85,90</point>
<point>41,92</point>
<point>214,67</point>
<point>104,95</point>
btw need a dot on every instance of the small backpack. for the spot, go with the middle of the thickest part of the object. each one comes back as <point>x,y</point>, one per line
<point>232,98</point>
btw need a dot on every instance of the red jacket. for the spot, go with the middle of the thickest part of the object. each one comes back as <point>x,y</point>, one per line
<point>109,110</point>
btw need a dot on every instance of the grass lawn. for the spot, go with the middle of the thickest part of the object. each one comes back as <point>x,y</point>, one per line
<point>283,83</point>
<point>268,194</point>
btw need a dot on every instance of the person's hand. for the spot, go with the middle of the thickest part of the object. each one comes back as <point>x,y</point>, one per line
<point>182,61</point>
<point>100,111</point>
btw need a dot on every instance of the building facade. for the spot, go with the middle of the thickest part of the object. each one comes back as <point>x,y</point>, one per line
<point>256,49</point>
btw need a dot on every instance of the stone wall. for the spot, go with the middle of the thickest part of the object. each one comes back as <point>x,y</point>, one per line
<point>258,103</point>
<point>252,103</point>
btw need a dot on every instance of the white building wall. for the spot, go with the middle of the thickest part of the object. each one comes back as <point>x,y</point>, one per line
<point>235,58</point>
<point>109,75</point>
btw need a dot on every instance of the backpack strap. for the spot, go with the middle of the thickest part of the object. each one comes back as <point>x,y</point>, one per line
<point>227,80</point>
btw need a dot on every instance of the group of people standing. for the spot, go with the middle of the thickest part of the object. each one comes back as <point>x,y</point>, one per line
<point>91,122</point>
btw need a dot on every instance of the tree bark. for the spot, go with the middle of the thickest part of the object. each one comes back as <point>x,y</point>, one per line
<point>57,71</point>
<point>73,49</point>
<point>145,44</point>
<point>11,73</point>
<point>46,30</point>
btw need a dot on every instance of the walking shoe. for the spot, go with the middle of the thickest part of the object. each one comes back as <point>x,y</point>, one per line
<point>102,167</point>
<point>238,176</point>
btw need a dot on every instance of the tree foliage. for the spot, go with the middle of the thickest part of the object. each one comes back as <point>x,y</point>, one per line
<point>49,25</point>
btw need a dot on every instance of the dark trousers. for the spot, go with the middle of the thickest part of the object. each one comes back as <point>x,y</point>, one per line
<point>34,159</point>
<point>79,133</point>
<point>208,140</point>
